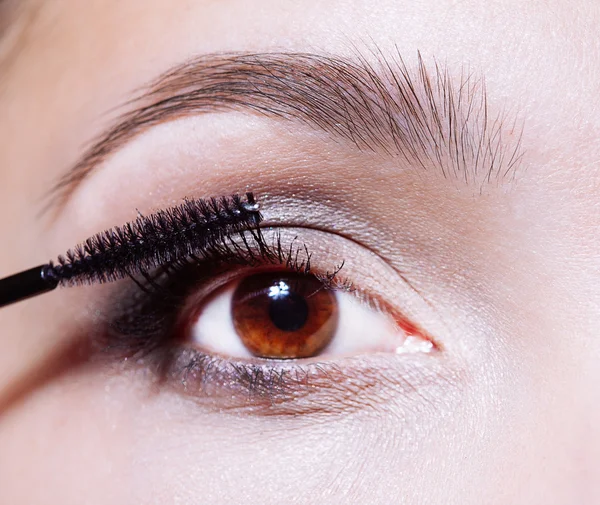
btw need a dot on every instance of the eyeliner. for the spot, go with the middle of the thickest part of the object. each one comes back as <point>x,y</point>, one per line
<point>139,246</point>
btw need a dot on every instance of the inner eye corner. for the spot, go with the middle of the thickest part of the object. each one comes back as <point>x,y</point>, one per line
<point>415,333</point>
<point>417,337</point>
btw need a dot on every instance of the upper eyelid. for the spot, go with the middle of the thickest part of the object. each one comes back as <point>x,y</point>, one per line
<point>425,116</point>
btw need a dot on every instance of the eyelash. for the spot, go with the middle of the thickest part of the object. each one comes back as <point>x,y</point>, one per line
<point>146,316</point>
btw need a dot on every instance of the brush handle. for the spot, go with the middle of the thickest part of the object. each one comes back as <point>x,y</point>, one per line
<point>26,284</point>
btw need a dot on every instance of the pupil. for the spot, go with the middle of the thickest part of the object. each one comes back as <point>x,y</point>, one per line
<point>287,310</point>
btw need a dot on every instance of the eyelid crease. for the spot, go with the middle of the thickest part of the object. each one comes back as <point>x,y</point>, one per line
<point>423,115</point>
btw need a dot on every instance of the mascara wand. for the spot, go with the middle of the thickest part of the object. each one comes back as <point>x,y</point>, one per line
<point>138,246</point>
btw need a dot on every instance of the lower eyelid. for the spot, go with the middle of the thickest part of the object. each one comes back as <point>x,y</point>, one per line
<point>309,387</point>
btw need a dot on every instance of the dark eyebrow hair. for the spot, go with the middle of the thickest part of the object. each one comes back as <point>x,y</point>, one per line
<point>423,115</point>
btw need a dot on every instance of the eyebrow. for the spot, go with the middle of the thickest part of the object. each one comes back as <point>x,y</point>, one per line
<point>424,115</point>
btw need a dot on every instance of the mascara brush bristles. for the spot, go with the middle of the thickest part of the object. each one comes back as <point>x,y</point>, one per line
<point>154,240</point>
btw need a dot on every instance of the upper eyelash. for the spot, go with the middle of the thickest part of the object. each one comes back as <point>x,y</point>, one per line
<point>250,248</point>
<point>158,239</point>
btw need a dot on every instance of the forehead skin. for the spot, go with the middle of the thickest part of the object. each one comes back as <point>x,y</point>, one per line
<point>77,60</point>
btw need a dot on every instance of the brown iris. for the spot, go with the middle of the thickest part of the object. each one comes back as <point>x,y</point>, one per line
<point>284,316</point>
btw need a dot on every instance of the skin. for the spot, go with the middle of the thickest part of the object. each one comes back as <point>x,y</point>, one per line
<point>505,412</point>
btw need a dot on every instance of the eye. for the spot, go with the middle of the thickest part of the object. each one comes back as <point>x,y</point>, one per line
<point>280,315</point>
<point>261,316</point>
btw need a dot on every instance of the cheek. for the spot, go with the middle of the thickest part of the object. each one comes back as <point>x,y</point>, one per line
<point>72,438</point>
<point>88,438</point>
<point>91,438</point>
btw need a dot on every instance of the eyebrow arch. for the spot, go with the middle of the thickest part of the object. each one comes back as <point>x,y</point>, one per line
<point>423,115</point>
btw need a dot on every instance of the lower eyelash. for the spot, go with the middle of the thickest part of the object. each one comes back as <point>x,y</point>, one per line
<point>293,387</point>
<point>261,379</point>
<point>265,386</point>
